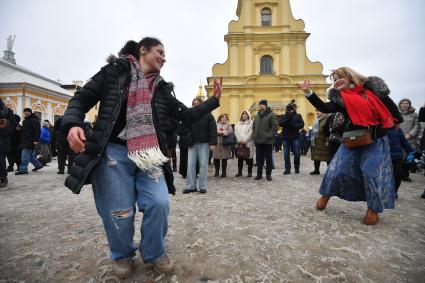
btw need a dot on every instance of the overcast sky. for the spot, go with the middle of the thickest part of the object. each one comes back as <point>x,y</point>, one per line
<point>70,39</point>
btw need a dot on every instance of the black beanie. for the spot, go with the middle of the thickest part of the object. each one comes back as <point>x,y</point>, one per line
<point>263,102</point>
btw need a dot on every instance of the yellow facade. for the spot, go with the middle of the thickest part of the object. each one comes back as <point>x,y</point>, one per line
<point>266,59</point>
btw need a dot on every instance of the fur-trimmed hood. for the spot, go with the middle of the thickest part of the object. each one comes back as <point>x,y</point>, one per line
<point>374,84</point>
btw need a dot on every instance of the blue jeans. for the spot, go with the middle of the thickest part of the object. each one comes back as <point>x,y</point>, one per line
<point>118,184</point>
<point>28,155</point>
<point>198,152</point>
<point>293,144</point>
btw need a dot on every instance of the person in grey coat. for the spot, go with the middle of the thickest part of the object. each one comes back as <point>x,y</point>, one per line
<point>410,128</point>
<point>264,130</point>
<point>411,125</point>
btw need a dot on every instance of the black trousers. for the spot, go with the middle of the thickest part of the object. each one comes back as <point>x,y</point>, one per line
<point>397,171</point>
<point>64,153</point>
<point>264,153</point>
<point>249,162</point>
<point>317,165</point>
<point>3,171</point>
<point>333,148</point>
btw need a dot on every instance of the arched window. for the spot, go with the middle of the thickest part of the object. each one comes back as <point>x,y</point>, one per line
<point>266,17</point>
<point>266,65</point>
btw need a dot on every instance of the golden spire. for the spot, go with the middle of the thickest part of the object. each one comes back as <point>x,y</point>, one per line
<point>200,92</point>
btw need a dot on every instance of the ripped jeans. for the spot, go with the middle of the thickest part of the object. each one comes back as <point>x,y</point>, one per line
<point>118,184</point>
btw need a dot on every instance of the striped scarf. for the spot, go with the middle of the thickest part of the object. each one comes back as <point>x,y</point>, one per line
<point>139,132</point>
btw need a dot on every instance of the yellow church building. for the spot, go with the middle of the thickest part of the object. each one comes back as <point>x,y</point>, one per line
<point>266,60</point>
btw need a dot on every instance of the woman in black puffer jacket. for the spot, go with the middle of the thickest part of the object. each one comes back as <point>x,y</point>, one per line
<point>125,154</point>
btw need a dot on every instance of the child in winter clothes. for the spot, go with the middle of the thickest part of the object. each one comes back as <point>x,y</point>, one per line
<point>398,142</point>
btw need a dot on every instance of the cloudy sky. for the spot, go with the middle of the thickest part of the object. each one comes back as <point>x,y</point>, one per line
<point>70,39</point>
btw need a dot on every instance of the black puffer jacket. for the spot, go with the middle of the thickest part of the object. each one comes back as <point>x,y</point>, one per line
<point>291,124</point>
<point>7,132</point>
<point>108,87</point>
<point>30,132</point>
<point>204,130</point>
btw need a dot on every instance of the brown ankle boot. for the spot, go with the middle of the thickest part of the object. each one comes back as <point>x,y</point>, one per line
<point>371,217</point>
<point>322,202</point>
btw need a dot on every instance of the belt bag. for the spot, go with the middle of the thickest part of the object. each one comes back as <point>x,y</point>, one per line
<point>357,138</point>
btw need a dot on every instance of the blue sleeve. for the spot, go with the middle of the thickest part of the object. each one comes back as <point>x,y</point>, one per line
<point>404,143</point>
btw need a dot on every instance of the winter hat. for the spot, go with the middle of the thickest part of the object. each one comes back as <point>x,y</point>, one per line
<point>28,110</point>
<point>263,102</point>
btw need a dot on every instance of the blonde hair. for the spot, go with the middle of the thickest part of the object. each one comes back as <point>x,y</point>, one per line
<point>348,73</point>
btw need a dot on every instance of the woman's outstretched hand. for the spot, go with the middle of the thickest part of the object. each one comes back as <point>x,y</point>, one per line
<point>218,88</point>
<point>305,86</point>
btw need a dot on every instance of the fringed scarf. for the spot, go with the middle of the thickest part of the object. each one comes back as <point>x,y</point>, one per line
<point>365,108</point>
<point>139,132</point>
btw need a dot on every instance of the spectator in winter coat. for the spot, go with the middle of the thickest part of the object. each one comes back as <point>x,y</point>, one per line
<point>319,142</point>
<point>398,143</point>
<point>410,128</point>
<point>222,152</point>
<point>44,143</point>
<point>7,127</point>
<point>264,129</point>
<point>204,137</point>
<point>14,156</point>
<point>410,125</point>
<point>422,141</point>
<point>243,133</point>
<point>30,135</point>
<point>336,127</point>
<point>64,152</point>
<point>291,123</point>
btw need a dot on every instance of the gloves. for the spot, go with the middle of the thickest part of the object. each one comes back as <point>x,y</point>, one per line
<point>409,158</point>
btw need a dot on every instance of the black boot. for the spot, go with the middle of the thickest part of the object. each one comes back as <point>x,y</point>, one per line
<point>10,168</point>
<point>223,168</point>
<point>250,164</point>
<point>3,182</point>
<point>217,167</point>
<point>240,167</point>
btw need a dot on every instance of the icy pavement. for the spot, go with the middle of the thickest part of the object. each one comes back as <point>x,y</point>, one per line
<point>240,231</point>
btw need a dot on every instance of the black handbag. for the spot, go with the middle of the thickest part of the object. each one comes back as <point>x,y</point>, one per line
<point>242,152</point>
<point>230,139</point>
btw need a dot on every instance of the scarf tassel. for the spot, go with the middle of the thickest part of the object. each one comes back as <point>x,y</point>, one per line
<point>149,160</point>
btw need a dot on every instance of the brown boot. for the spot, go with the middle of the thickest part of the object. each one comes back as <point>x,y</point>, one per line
<point>322,202</point>
<point>123,268</point>
<point>371,217</point>
<point>163,265</point>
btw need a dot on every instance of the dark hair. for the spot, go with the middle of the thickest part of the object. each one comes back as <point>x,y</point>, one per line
<point>197,99</point>
<point>133,48</point>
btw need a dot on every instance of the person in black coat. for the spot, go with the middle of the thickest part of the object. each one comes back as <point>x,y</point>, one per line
<point>204,137</point>
<point>14,156</point>
<point>30,136</point>
<point>422,140</point>
<point>124,157</point>
<point>64,152</point>
<point>7,126</point>
<point>291,123</point>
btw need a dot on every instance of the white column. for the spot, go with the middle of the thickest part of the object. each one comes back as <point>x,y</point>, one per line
<point>27,102</point>
<point>234,107</point>
<point>19,108</point>
<point>49,115</point>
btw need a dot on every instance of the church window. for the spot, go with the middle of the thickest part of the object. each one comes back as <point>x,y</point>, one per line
<point>266,65</point>
<point>266,17</point>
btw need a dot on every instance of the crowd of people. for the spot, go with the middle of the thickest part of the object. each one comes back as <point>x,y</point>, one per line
<point>129,155</point>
